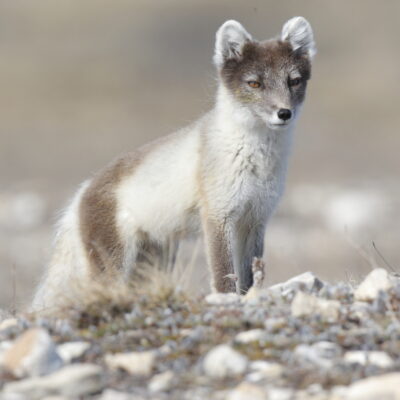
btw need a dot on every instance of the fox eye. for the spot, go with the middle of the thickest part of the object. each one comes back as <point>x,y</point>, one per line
<point>254,84</point>
<point>294,82</point>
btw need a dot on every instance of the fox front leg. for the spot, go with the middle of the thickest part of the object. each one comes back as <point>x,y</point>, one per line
<point>219,248</point>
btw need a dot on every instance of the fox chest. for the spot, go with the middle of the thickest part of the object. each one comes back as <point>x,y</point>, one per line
<point>251,177</point>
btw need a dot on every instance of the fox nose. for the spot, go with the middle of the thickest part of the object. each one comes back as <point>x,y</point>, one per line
<point>284,114</point>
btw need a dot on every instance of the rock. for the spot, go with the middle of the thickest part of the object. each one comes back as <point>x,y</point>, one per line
<point>264,370</point>
<point>111,394</point>
<point>136,363</point>
<point>305,304</point>
<point>253,335</point>
<point>247,391</point>
<point>222,299</point>
<point>306,281</point>
<point>378,358</point>
<point>7,326</point>
<point>32,354</point>
<point>280,394</point>
<point>161,382</point>
<point>274,325</point>
<point>72,350</point>
<point>222,362</point>
<point>382,387</point>
<point>320,354</point>
<point>378,279</point>
<point>71,381</point>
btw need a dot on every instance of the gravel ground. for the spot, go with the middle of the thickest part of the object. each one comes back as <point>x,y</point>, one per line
<point>301,339</point>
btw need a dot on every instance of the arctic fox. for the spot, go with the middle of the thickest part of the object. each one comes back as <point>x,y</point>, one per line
<point>223,174</point>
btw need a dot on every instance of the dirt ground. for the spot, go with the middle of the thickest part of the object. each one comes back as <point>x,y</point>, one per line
<point>82,82</point>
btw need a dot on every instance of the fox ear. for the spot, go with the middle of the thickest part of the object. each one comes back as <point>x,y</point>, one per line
<point>298,32</point>
<point>230,38</point>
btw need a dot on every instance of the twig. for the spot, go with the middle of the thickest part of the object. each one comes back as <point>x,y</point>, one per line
<point>383,258</point>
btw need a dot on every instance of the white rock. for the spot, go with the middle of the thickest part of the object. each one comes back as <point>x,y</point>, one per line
<point>72,350</point>
<point>253,335</point>
<point>320,354</point>
<point>7,325</point>
<point>247,391</point>
<point>382,387</point>
<point>378,358</point>
<point>280,394</point>
<point>136,363</point>
<point>264,370</point>
<point>32,354</point>
<point>222,299</point>
<point>71,381</point>
<point>111,394</point>
<point>161,382</point>
<point>307,281</point>
<point>222,361</point>
<point>378,279</point>
<point>305,304</point>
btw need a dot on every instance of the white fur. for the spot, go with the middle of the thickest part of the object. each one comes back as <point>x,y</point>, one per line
<point>300,35</point>
<point>68,269</point>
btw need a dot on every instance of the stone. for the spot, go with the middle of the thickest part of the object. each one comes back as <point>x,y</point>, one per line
<point>71,351</point>
<point>382,387</point>
<point>70,381</point>
<point>32,354</point>
<point>136,363</point>
<point>222,299</point>
<point>306,281</point>
<point>253,335</point>
<point>320,354</point>
<point>8,325</point>
<point>246,391</point>
<point>377,358</point>
<point>222,362</point>
<point>264,370</point>
<point>280,394</point>
<point>304,305</point>
<point>161,382</point>
<point>378,279</point>
<point>111,394</point>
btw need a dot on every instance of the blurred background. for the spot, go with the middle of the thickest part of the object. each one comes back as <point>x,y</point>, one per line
<point>83,81</point>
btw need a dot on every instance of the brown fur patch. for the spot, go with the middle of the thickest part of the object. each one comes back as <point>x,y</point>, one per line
<point>98,209</point>
<point>98,215</point>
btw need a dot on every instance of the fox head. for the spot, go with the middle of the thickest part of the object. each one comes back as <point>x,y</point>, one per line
<point>268,79</point>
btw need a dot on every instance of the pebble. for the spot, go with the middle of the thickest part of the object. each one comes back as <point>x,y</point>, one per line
<point>7,326</point>
<point>247,391</point>
<point>111,394</point>
<point>71,351</point>
<point>222,362</point>
<point>264,370</point>
<point>136,363</point>
<point>382,387</point>
<point>161,382</point>
<point>32,354</point>
<point>222,299</point>
<point>306,281</point>
<point>71,381</point>
<point>378,279</point>
<point>253,335</point>
<point>378,358</point>
<point>305,304</point>
<point>320,354</point>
